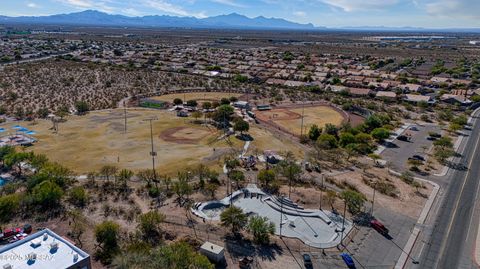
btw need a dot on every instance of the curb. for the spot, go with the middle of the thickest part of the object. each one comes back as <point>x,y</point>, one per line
<point>402,260</point>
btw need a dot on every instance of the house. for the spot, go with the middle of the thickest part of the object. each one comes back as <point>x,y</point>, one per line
<point>263,107</point>
<point>411,87</point>
<point>415,98</point>
<point>359,91</point>
<point>455,99</point>
<point>242,105</point>
<point>44,249</point>
<point>386,95</point>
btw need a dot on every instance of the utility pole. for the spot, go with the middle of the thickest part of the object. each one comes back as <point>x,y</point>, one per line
<point>281,215</point>
<point>343,220</point>
<point>321,193</point>
<point>303,114</point>
<point>373,199</point>
<point>152,153</point>
<point>125,115</point>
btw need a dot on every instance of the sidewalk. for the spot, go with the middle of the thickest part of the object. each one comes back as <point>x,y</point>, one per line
<point>421,220</point>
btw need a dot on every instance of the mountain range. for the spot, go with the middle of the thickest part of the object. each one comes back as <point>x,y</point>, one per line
<point>230,21</point>
<point>97,18</point>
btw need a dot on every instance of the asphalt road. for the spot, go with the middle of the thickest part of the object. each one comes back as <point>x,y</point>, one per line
<point>453,234</point>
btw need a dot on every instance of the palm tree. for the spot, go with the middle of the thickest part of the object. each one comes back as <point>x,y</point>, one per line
<point>234,218</point>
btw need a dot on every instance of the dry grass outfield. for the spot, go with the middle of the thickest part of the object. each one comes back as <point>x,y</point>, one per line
<point>291,120</point>
<point>86,143</point>
<point>199,96</point>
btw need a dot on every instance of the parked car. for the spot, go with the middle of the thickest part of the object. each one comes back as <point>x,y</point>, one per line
<point>348,260</point>
<point>379,227</point>
<point>413,128</point>
<point>404,138</point>
<point>307,261</point>
<point>417,157</point>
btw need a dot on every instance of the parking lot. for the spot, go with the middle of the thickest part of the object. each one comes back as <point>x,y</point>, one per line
<point>398,152</point>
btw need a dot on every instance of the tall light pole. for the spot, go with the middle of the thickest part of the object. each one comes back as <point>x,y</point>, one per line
<point>373,198</point>
<point>281,215</point>
<point>343,220</point>
<point>303,115</point>
<point>321,193</point>
<point>152,152</point>
<point>125,115</point>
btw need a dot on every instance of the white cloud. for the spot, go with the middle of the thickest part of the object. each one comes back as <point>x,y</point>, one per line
<point>228,3</point>
<point>355,5</point>
<point>167,7</point>
<point>300,14</point>
<point>32,5</point>
<point>454,8</point>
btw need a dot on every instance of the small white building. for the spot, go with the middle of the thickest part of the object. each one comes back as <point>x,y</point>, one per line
<point>214,253</point>
<point>41,250</point>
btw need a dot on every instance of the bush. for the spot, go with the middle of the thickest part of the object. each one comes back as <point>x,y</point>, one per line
<point>78,196</point>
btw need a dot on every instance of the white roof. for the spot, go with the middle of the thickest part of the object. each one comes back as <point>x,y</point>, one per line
<point>210,247</point>
<point>39,244</point>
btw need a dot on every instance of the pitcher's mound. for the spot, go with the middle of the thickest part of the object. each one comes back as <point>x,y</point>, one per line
<point>184,135</point>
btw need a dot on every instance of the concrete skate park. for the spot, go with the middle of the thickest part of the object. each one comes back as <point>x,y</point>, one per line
<point>316,228</point>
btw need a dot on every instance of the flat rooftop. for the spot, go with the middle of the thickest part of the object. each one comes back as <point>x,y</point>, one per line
<point>41,243</point>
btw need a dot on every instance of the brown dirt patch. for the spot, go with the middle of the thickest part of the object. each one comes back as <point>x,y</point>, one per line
<point>183,135</point>
<point>278,114</point>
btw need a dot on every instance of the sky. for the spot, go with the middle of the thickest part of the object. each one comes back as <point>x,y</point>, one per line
<point>329,13</point>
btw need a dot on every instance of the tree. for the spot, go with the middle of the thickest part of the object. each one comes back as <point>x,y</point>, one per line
<point>327,141</point>
<point>123,177</point>
<point>47,195</point>
<point>147,176</point>
<point>331,197</point>
<point>314,132</point>
<point>177,101</point>
<point>354,200</point>
<point>149,225</point>
<point>225,101</point>
<point>4,152</point>
<point>207,105</point>
<point>108,171</point>
<point>415,164</point>
<point>443,154</point>
<point>182,189</point>
<point>290,170</point>
<point>77,223</point>
<point>107,236</point>
<point>454,127</point>
<point>237,176</point>
<point>266,177</point>
<point>331,129</point>
<point>78,196</point>
<point>380,134</point>
<point>241,126</point>
<point>192,103</point>
<point>9,206</point>
<point>81,107</point>
<point>261,229</point>
<point>223,113</point>
<point>444,142</point>
<point>196,115</point>
<point>16,159</point>
<point>178,255</point>
<point>234,218</point>
<point>346,139</point>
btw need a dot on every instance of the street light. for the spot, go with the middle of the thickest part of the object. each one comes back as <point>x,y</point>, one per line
<point>343,220</point>
<point>373,198</point>
<point>153,153</point>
